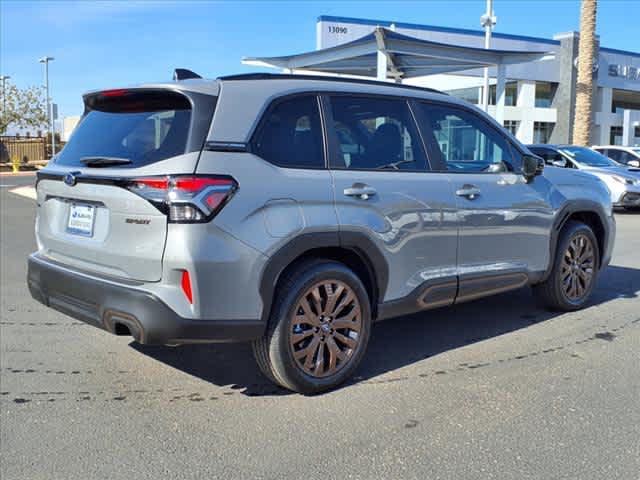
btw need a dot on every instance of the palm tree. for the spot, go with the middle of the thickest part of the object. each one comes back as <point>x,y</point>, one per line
<point>584,88</point>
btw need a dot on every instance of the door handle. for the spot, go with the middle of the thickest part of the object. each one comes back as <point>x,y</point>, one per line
<point>360,190</point>
<point>470,192</point>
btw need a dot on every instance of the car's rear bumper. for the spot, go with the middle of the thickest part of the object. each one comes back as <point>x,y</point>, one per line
<point>112,306</point>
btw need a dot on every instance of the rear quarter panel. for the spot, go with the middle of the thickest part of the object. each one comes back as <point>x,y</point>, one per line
<point>272,204</point>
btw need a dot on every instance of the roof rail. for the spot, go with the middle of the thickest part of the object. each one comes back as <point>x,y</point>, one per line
<point>321,78</point>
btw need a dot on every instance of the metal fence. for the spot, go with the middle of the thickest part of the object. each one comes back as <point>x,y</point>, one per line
<point>24,149</point>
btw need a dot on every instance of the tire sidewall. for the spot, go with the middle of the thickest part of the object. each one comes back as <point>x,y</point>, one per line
<point>569,233</point>
<point>283,361</point>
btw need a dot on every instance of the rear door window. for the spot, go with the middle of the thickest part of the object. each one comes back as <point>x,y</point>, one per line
<point>141,127</point>
<point>375,134</point>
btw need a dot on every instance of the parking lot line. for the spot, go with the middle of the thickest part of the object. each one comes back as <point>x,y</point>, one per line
<point>27,192</point>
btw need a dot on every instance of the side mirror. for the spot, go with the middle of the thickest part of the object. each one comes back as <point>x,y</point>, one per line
<point>531,166</point>
<point>634,163</point>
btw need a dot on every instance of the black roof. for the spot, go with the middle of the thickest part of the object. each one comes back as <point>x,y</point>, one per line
<point>289,76</point>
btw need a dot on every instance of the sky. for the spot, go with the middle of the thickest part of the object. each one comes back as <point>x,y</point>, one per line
<point>100,44</point>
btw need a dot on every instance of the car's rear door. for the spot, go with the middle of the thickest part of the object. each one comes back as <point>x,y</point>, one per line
<point>383,188</point>
<point>89,215</point>
<point>504,221</point>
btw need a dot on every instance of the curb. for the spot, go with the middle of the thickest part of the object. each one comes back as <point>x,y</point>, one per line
<point>18,174</point>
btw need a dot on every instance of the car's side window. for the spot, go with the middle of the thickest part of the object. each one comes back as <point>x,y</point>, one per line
<point>613,154</point>
<point>290,134</point>
<point>549,156</point>
<point>463,142</point>
<point>625,157</point>
<point>374,134</point>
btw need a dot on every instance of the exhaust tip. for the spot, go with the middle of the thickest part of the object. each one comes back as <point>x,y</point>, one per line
<point>123,324</point>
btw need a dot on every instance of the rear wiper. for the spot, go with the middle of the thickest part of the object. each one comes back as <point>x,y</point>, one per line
<point>104,161</point>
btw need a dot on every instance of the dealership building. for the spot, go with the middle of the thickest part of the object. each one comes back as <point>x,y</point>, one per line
<point>533,80</point>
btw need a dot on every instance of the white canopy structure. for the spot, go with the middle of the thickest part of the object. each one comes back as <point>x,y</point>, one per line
<point>388,55</point>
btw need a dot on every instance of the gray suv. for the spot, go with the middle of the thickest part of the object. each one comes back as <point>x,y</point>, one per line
<point>295,211</point>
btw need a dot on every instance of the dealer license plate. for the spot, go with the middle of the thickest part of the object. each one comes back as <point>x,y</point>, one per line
<point>81,219</point>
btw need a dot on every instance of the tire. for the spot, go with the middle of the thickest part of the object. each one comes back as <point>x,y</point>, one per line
<point>311,346</point>
<point>558,293</point>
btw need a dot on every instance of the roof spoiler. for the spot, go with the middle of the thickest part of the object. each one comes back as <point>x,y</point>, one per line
<point>184,74</point>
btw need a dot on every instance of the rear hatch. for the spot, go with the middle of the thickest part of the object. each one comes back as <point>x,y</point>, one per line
<point>96,205</point>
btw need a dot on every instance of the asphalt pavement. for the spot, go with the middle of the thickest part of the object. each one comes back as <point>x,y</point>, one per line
<point>495,388</point>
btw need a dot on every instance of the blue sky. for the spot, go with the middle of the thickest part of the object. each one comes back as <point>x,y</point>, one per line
<point>106,44</point>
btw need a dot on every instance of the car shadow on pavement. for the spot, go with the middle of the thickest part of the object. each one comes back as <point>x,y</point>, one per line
<point>397,342</point>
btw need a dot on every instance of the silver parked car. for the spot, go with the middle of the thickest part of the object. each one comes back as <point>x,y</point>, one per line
<point>625,156</point>
<point>623,182</point>
<point>295,211</point>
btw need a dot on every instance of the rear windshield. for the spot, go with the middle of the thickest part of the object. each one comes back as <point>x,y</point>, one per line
<point>141,127</point>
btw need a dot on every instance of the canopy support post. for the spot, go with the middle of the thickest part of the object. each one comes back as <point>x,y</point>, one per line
<point>382,66</point>
<point>500,93</point>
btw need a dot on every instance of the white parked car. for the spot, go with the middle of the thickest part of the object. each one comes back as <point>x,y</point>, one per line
<point>626,156</point>
<point>623,181</point>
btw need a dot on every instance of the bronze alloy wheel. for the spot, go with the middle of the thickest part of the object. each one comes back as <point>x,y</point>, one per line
<point>325,328</point>
<point>578,266</point>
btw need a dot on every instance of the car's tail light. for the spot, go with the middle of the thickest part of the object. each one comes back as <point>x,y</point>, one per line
<point>185,199</point>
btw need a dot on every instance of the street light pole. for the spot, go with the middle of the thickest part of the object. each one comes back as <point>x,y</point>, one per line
<point>52,131</point>
<point>4,78</point>
<point>488,21</point>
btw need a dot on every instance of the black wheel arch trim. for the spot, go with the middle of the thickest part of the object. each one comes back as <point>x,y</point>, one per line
<point>354,241</point>
<point>563,215</point>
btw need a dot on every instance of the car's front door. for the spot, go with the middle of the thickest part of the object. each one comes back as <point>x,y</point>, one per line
<point>383,188</point>
<point>504,221</point>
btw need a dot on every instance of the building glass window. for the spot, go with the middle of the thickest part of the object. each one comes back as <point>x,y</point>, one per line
<point>542,131</point>
<point>545,92</point>
<point>512,126</point>
<point>473,94</point>
<point>615,136</point>
<point>510,94</point>
<point>470,94</point>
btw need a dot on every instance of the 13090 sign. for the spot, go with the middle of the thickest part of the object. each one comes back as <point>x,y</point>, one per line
<point>335,29</point>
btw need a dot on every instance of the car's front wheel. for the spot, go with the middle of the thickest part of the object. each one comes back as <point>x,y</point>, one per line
<point>575,269</point>
<point>318,330</point>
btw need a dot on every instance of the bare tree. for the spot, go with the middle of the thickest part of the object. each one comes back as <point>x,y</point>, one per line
<point>22,108</point>
<point>584,88</point>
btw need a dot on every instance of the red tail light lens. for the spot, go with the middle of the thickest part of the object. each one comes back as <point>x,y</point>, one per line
<point>152,182</point>
<point>118,92</point>
<point>186,199</point>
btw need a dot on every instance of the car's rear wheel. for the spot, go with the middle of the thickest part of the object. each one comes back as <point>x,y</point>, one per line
<point>319,328</point>
<point>575,269</point>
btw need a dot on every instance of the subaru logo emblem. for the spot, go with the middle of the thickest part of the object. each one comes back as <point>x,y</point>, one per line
<point>71,179</point>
